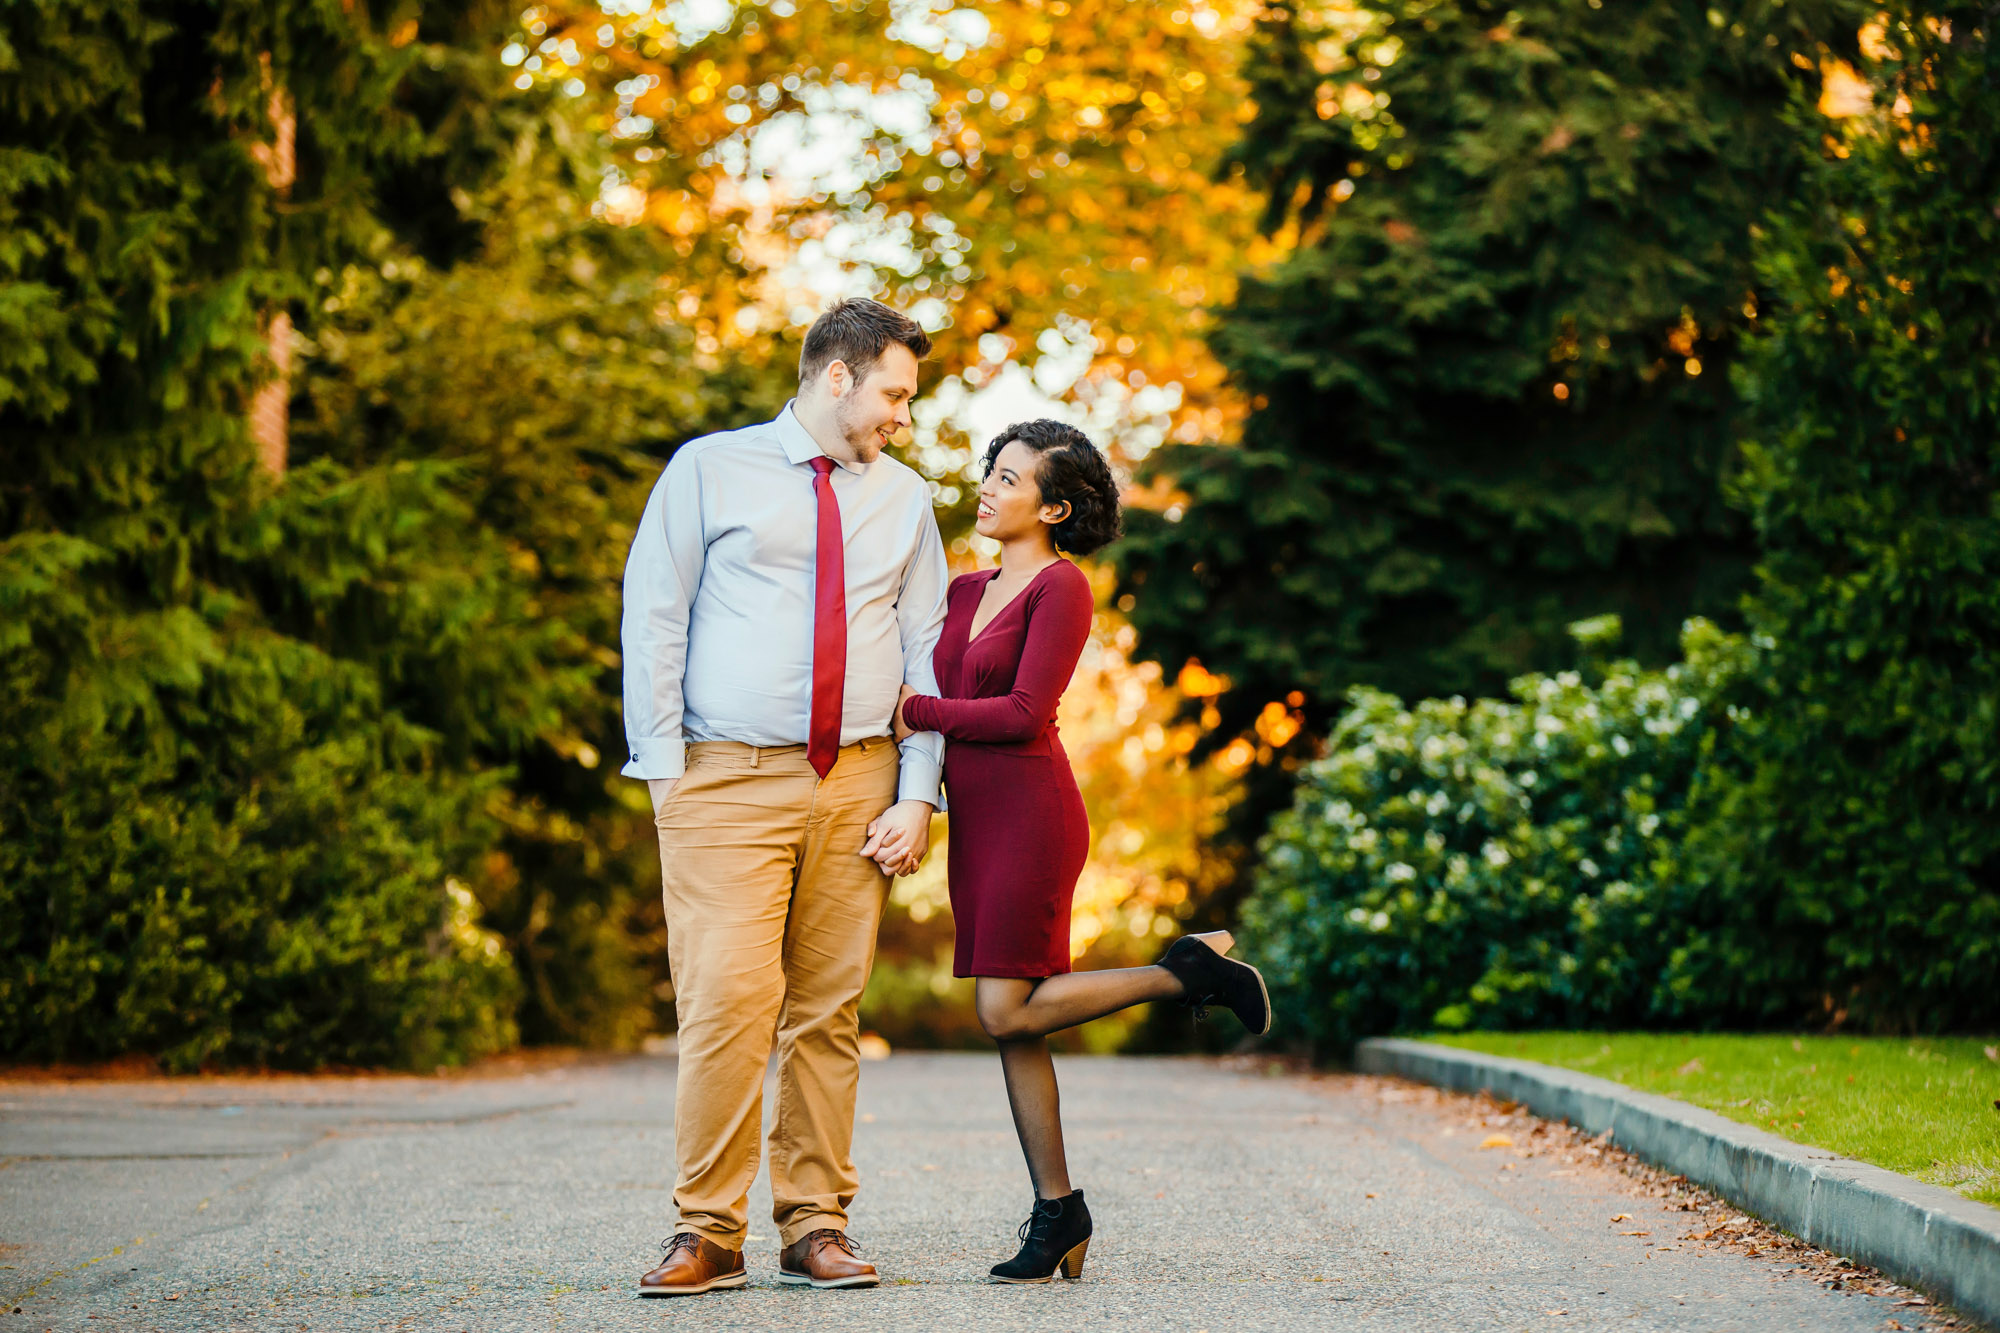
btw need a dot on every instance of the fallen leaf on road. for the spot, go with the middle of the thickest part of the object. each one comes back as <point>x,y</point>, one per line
<point>1496,1141</point>
<point>1635,1233</point>
<point>1371,1196</point>
<point>1586,1155</point>
<point>1622,1217</point>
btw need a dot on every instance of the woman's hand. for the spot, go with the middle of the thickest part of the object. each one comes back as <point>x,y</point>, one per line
<point>902,729</point>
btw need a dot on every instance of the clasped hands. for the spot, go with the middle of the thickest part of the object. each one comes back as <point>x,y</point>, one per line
<point>900,837</point>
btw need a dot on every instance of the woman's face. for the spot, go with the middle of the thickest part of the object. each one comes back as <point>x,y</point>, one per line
<point>1010,500</point>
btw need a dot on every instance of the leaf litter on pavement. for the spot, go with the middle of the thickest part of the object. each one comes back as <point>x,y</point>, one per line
<point>1710,1222</point>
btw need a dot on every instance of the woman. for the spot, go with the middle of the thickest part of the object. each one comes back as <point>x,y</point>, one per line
<point>1019,834</point>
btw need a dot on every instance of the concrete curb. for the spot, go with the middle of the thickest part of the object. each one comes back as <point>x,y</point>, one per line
<point>1918,1234</point>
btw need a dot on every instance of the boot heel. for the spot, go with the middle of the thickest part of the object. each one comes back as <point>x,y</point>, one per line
<point>1072,1264</point>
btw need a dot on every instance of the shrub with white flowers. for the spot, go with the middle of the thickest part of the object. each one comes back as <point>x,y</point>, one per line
<point>1488,864</point>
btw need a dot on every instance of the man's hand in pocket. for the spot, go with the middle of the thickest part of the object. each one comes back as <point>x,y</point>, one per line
<point>660,789</point>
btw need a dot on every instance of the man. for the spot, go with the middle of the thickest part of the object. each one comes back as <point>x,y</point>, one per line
<point>785,582</point>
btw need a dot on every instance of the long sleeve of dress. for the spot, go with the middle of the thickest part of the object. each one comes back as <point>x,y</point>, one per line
<point>1058,625</point>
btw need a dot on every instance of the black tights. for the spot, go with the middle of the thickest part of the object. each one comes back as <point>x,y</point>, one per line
<point>1020,1014</point>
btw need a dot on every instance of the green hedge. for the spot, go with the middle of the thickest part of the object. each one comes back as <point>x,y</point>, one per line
<point>229,819</point>
<point>1846,862</point>
<point>1800,827</point>
<point>218,846</point>
<point>1488,864</point>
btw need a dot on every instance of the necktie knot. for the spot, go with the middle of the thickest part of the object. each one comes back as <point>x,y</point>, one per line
<point>822,465</point>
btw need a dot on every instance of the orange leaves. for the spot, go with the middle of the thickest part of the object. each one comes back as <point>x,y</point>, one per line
<point>1277,725</point>
<point>1070,146</point>
<point>1843,92</point>
<point>1197,682</point>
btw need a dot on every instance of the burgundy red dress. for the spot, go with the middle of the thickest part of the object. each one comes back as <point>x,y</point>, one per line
<point>1019,834</point>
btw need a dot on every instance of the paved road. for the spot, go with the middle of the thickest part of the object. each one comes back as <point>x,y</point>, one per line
<point>1225,1200</point>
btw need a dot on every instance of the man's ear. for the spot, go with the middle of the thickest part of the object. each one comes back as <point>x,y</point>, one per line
<point>839,378</point>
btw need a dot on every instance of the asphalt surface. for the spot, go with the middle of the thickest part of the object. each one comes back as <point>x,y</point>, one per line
<point>1226,1197</point>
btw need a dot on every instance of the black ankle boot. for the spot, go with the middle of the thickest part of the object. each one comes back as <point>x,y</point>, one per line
<point>1212,979</point>
<point>1056,1235</point>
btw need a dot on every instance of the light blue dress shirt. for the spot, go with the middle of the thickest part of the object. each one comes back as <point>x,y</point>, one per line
<point>719,601</point>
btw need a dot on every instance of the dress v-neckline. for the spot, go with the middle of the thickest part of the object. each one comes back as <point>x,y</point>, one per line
<point>973,636</point>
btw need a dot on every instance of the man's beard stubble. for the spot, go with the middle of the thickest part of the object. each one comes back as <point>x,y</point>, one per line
<point>861,438</point>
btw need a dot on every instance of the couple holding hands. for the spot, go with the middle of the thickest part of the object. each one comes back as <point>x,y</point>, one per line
<point>801,680</point>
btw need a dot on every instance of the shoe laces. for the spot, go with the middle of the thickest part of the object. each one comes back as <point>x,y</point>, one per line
<point>681,1240</point>
<point>1040,1220</point>
<point>833,1236</point>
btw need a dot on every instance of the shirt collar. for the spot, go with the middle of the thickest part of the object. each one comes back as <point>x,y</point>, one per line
<point>801,447</point>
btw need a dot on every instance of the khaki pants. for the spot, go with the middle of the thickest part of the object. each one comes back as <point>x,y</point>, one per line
<point>771,920</point>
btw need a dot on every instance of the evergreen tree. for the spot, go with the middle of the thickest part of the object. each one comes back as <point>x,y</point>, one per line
<point>225,833</point>
<point>538,366</point>
<point>1490,380</point>
<point>1845,864</point>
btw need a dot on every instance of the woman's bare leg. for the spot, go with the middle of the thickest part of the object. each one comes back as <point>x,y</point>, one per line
<point>1014,1009</point>
<point>1037,1107</point>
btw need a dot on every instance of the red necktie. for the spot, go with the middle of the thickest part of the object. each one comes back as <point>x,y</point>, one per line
<point>829,626</point>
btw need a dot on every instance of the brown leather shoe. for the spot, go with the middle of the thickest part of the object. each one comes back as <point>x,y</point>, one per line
<point>694,1264</point>
<point>824,1258</point>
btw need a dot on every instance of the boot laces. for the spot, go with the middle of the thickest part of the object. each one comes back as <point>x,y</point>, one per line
<point>1041,1221</point>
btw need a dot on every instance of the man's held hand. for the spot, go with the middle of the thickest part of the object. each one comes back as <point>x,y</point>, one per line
<point>900,837</point>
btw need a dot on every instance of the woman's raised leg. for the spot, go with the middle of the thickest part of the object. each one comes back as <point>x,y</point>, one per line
<point>1013,1009</point>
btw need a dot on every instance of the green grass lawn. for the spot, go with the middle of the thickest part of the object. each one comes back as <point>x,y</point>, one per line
<point>1925,1107</point>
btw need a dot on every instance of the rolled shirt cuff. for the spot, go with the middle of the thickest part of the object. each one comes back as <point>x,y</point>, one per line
<point>919,778</point>
<point>656,757</point>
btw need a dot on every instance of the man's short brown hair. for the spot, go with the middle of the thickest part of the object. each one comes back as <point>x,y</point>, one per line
<point>857,331</point>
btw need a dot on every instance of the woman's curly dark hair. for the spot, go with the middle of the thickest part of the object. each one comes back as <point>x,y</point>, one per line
<point>1068,467</point>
